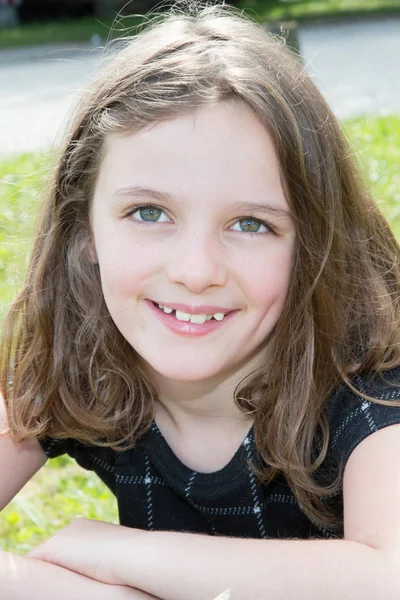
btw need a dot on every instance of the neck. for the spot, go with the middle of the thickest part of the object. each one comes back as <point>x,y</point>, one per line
<point>210,402</point>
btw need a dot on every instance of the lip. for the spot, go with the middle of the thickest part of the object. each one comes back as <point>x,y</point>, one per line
<point>202,309</point>
<point>186,328</point>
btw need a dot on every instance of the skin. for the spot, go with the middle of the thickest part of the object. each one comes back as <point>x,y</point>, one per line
<point>200,251</point>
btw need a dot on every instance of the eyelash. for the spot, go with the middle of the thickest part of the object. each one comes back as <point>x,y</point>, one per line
<point>138,207</point>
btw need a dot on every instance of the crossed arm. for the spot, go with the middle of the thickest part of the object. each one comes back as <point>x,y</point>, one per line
<point>184,566</point>
<point>23,578</point>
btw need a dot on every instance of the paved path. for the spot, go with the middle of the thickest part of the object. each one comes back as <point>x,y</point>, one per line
<point>354,64</point>
<point>36,92</point>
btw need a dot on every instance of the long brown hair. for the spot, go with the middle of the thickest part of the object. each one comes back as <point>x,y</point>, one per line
<point>72,372</point>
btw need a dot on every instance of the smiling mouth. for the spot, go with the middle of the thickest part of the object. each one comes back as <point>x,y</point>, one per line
<point>198,319</point>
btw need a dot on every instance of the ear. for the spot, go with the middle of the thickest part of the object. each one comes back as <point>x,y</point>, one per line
<point>92,253</point>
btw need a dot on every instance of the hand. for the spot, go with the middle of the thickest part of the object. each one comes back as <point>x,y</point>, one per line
<point>91,548</point>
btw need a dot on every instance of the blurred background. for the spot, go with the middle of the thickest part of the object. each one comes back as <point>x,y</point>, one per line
<point>50,48</point>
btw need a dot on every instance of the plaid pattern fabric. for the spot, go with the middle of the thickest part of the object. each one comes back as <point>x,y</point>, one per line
<point>156,491</point>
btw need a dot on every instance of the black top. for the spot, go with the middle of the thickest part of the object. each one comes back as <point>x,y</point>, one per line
<point>156,491</point>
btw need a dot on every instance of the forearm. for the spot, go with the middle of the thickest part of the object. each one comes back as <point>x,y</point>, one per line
<point>25,578</point>
<point>184,566</point>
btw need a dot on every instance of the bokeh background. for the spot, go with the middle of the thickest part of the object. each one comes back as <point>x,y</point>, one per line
<point>49,48</point>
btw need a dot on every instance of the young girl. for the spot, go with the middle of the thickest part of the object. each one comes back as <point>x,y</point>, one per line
<point>210,321</point>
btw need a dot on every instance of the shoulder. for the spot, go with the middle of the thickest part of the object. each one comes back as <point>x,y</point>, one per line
<point>352,417</point>
<point>377,386</point>
<point>86,455</point>
<point>53,447</point>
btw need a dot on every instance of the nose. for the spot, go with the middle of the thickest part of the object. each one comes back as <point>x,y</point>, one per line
<point>198,262</point>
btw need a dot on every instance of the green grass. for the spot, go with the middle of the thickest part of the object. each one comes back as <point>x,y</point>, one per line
<point>275,10</point>
<point>82,30</point>
<point>62,490</point>
<point>22,180</point>
<point>377,143</point>
<point>66,31</point>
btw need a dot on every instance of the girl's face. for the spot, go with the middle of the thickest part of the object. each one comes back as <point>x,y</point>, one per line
<point>192,212</point>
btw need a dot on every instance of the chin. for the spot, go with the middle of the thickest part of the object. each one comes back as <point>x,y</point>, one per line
<point>185,373</point>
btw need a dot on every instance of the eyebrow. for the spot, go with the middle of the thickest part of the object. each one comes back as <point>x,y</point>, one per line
<point>139,191</point>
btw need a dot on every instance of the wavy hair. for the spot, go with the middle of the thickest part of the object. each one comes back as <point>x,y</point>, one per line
<point>74,375</point>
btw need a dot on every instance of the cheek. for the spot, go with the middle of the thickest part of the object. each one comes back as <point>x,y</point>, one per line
<point>124,258</point>
<point>123,272</point>
<point>266,281</point>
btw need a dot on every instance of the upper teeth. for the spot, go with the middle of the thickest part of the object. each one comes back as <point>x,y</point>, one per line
<point>198,319</point>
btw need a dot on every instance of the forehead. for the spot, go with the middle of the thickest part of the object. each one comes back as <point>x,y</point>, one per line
<point>220,150</point>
